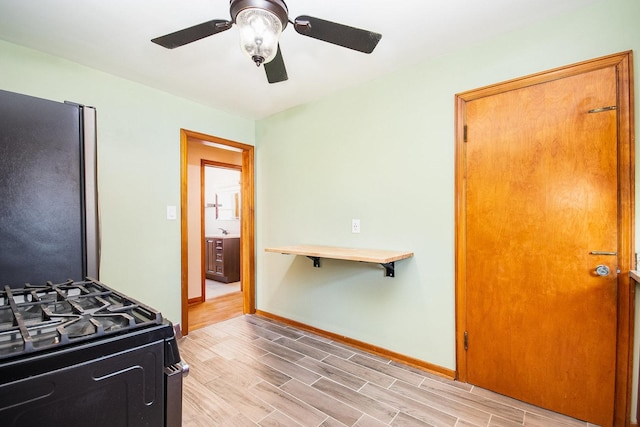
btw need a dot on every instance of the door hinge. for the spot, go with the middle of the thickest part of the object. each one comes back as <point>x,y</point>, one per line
<point>464,133</point>
<point>466,340</point>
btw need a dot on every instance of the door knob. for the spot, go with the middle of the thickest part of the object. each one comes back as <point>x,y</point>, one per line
<point>602,270</point>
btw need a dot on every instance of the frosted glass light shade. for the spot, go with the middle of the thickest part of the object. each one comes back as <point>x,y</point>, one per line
<point>259,33</point>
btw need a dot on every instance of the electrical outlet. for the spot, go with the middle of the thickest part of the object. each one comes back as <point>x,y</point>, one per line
<point>355,225</point>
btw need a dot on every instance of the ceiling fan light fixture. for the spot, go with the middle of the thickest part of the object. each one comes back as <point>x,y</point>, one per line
<point>260,23</point>
<point>259,34</point>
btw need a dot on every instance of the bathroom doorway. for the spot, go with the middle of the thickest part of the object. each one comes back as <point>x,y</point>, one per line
<point>232,198</point>
<point>220,207</point>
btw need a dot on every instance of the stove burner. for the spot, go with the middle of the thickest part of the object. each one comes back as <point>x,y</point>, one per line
<point>38,317</point>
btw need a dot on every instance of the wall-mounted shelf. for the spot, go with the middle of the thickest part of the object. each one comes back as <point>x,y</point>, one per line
<point>314,252</point>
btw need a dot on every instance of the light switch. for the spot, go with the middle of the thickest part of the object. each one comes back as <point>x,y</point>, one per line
<point>172,213</point>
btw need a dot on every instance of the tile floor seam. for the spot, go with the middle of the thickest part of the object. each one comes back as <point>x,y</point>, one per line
<point>331,397</point>
<point>431,406</point>
<point>446,411</point>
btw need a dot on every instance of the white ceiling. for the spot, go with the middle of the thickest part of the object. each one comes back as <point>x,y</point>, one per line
<point>114,36</point>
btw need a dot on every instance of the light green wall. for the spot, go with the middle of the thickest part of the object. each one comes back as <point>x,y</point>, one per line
<point>381,152</point>
<point>138,165</point>
<point>384,152</point>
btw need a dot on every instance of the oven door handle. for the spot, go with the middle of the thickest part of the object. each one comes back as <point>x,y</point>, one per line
<point>185,368</point>
<point>174,375</point>
<point>181,368</point>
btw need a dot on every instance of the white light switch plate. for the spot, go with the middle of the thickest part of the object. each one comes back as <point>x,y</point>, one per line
<point>172,213</point>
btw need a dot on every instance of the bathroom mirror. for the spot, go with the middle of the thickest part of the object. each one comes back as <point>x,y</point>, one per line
<point>228,204</point>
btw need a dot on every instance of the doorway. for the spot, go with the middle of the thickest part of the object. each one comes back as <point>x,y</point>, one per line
<point>544,239</point>
<point>198,152</point>
<point>221,206</point>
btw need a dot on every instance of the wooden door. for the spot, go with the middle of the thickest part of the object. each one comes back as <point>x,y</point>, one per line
<point>542,209</point>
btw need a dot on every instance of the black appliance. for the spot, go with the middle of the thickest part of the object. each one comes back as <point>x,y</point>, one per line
<point>73,351</point>
<point>48,196</point>
<point>82,354</point>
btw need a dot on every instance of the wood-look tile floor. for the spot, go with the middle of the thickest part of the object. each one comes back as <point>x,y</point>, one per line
<point>253,371</point>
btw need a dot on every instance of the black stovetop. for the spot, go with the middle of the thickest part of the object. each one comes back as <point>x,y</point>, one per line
<point>36,318</point>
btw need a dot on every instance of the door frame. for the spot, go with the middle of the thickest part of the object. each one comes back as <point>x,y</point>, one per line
<point>626,217</point>
<point>247,221</point>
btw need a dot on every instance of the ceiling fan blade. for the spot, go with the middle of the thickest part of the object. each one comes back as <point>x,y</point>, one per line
<point>342,35</point>
<point>275,69</point>
<point>191,34</point>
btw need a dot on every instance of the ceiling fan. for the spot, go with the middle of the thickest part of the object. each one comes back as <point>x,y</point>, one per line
<point>260,23</point>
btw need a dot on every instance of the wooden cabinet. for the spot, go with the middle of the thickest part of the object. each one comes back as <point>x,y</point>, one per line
<point>222,258</point>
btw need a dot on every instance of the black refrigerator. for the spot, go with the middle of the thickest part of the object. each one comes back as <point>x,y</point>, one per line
<point>48,194</point>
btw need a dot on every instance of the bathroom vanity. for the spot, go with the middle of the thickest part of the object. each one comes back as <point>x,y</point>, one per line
<point>222,258</point>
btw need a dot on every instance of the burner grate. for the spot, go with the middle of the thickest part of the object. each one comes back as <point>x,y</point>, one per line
<point>38,317</point>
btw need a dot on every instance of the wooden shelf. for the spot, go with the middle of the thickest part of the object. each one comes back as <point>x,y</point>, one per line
<point>314,252</point>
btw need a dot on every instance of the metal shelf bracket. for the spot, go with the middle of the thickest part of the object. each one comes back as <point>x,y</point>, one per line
<point>389,269</point>
<point>316,261</point>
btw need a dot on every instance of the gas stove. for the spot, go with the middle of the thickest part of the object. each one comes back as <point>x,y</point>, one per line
<point>70,351</point>
<point>40,317</point>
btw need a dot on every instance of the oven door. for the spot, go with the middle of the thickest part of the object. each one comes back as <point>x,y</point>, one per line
<point>124,389</point>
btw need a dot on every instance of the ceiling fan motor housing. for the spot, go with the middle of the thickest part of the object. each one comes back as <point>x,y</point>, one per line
<point>277,7</point>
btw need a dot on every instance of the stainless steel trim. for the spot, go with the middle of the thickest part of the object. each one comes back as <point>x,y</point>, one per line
<point>92,219</point>
<point>173,394</point>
